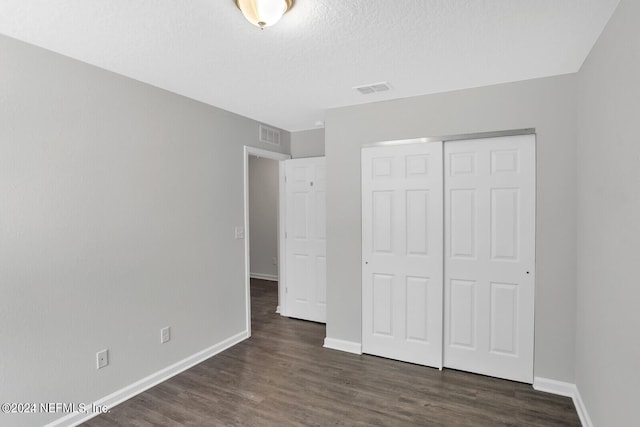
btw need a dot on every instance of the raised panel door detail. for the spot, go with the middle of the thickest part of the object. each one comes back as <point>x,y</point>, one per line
<point>300,216</point>
<point>504,161</point>
<point>417,222</point>
<point>463,223</point>
<point>504,318</point>
<point>417,308</point>
<point>320,172</point>
<point>462,313</point>
<point>504,223</point>
<point>417,165</point>
<point>300,174</point>
<point>382,167</point>
<point>301,271</point>
<point>382,304</point>
<point>462,164</point>
<point>382,221</point>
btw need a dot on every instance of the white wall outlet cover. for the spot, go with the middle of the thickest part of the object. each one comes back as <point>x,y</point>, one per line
<point>165,335</point>
<point>102,358</point>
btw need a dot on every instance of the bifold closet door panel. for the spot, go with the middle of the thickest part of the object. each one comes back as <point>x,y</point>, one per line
<point>489,256</point>
<point>402,222</point>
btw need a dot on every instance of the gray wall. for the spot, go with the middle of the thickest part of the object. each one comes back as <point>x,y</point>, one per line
<point>545,104</point>
<point>118,203</point>
<point>608,310</point>
<point>263,215</point>
<point>307,143</point>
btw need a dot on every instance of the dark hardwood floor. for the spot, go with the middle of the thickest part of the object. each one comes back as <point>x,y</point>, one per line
<point>282,376</point>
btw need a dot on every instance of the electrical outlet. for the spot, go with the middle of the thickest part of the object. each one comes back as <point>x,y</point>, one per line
<point>102,358</point>
<point>274,261</point>
<point>165,335</point>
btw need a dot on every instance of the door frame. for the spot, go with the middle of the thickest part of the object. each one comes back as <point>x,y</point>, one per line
<point>449,138</point>
<point>279,157</point>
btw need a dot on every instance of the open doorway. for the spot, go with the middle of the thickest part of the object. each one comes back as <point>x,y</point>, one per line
<point>263,221</point>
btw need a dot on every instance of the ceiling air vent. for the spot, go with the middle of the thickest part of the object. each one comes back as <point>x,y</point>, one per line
<point>269,135</point>
<point>373,88</point>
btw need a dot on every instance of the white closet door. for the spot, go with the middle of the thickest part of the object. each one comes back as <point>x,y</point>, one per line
<point>402,252</point>
<point>489,256</point>
<point>306,264</point>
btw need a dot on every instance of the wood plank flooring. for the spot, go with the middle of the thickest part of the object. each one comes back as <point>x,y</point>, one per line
<point>282,376</point>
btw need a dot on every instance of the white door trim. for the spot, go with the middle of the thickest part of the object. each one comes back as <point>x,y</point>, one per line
<point>449,138</point>
<point>253,151</point>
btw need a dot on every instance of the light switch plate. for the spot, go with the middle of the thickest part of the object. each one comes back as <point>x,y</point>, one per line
<point>165,335</point>
<point>239,232</point>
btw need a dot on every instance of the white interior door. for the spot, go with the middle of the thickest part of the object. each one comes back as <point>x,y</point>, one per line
<point>305,238</point>
<point>402,252</point>
<point>489,256</point>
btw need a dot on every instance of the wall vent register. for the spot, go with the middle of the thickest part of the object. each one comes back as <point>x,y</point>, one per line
<point>269,135</point>
<point>373,88</point>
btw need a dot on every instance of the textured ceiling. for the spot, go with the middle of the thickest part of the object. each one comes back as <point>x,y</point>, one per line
<point>289,74</point>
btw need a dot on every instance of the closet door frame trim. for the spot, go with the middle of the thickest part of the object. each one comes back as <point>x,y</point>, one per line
<point>449,138</point>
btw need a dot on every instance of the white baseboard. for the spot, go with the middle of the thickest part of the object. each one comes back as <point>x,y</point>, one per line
<point>582,410</point>
<point>269,277</point>
<point>554,387</point>
<point>564,389</point>
<point>76,418</point>
<point>347,346</point>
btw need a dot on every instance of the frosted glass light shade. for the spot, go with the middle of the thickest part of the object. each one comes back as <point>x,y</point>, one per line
<point>264,13</point>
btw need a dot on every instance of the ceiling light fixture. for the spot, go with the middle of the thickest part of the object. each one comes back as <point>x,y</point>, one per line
<point>264,13</point>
